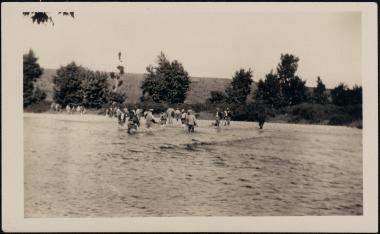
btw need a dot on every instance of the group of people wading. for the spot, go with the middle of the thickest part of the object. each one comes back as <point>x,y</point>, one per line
<point>132,117</point>
<point>70,109</point>
<point>222,117</point>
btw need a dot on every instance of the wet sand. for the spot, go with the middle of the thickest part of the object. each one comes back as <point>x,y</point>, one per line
<point>87,166</point>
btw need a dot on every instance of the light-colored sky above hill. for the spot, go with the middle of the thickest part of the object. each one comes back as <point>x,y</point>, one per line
<point>209,43</point>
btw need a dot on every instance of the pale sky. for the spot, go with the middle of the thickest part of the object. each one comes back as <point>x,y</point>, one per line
<point>209,44</point>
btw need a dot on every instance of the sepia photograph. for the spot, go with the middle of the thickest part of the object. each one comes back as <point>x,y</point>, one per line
<point>190,110</point>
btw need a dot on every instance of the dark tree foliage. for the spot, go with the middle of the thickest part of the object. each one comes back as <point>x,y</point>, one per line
<point>115,97</point>
<point>296,92</point>
<point>356,95</point>
<point>167,82</point>
<point>31,72</point>
<point>269,90</point>
<point>44,17</point>
<point>75,85</point>
<point>319,92</point>
<point>67,85</point>
<point>94,88</point>
<point>293,88</point>
<point>342,96</point>
<point>217,97</point>
<point>287,68</point>
<point>240,87</point>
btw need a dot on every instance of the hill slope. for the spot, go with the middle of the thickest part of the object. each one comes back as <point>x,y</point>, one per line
<point>200,87</point>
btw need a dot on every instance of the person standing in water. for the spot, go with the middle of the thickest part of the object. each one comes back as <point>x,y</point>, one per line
<point>78,108</point>
<point>183,117</point>
<point>227,116</point>
<point>118,115</point>
<point>218,117</point>
<point>191,121</point>
<point>133,122</point>
<point>261,116</point>
<point>163,118</point>
<point>170,115</point>
<point>177,114</point>
<point>68,108</point>
<point>149,118</point>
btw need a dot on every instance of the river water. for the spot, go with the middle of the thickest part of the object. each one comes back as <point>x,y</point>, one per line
<point>87,166</point>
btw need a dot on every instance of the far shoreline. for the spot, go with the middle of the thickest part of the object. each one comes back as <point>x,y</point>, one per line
<point>93,112</point>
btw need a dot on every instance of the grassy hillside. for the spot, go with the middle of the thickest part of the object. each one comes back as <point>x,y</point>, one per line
<point>199,89</point>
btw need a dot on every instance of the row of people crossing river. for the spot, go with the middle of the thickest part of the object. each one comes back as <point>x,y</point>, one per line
<point>70,109</point>
<point>132,117</point>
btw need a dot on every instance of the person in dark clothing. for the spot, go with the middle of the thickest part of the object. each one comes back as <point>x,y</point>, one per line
<point>261,116</point>
<point>133,122</point>
<point>227,117</point>
<point>218,117</point>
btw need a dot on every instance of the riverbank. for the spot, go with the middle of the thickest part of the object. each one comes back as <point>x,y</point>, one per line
<point>305,113</point>
<point>204,118</point>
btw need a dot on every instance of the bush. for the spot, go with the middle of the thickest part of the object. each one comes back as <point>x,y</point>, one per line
<point>217,97</point>
<point>38,107</point>
<point>340,119</point>
<point>116,97</point>
<point>356,111</point>
<point>313,113</point>
<point>318,113</point>
<point>157,107</point>
<point>251,111</point>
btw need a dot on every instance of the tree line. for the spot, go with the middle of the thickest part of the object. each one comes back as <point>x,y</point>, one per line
<point>168,82</point>
<point>285,88</point>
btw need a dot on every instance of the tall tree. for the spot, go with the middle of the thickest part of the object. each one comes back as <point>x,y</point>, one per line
<point>291,84</point>
<point>340,95</point>
<point>269,90</point>
<point>319,92</point>
<point>31,72</point>
<point>94,88</point>
<point>356,96</point>
<point>296,92</point>
<point>116,77</point>
<point>67,85</point>
<point>114,96</point>
<point>167,82</point>
<point>240,86</point>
